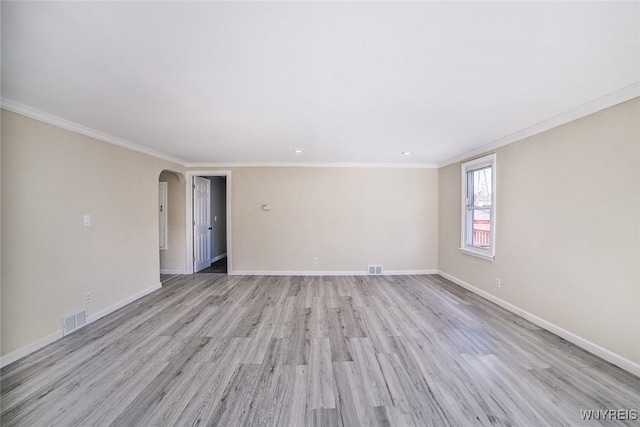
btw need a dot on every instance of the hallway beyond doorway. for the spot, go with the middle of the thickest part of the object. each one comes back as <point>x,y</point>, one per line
<point>219,266</point>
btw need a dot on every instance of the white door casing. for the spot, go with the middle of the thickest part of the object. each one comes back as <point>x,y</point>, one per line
<point>201,223</point>
<point>189,247</point>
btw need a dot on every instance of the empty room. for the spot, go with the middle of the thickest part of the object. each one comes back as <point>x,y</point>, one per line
<point>320,213</point>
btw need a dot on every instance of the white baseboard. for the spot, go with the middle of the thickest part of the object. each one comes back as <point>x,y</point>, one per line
<point>100,314</point>
<point>608,355</point>
<point>218,258</point>
<point>174,272</point>
<point>295,273</point>
<point>43,342</point>
<point>409,272</point>
<point>29,348</point>
<point>326,273</point>
<point>486,295</point>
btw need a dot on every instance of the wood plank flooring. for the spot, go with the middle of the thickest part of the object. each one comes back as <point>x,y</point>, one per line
<point>211,349</point>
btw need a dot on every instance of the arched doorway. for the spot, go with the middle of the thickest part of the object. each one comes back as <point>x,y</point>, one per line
<point>172,236</point>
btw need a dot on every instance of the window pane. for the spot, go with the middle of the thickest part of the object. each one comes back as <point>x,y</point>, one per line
<point>481,228</point>
<point>481,179</point>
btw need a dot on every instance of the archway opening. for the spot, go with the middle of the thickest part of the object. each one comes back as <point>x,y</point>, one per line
<point>171,214</point>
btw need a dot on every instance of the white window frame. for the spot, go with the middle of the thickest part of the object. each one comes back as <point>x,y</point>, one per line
<point>466,220</point>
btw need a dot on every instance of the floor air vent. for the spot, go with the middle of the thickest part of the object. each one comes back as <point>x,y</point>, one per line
<point>375,270</point>
<point>73,322</point>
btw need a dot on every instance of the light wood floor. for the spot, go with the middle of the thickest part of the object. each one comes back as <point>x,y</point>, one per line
<point>210,349</point>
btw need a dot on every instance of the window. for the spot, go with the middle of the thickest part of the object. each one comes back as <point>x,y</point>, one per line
<point>478,207</point>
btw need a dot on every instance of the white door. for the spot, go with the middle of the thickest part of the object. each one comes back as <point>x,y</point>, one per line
<point>201,223</point>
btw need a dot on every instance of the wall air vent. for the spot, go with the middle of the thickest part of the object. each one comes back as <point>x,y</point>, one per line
<point>375,270</point>
<point>73,322</point>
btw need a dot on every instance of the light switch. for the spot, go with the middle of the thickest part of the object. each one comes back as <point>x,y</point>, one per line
<point>86,220</point>
<point>266,207</point>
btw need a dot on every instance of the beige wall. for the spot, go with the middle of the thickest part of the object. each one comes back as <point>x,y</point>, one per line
<point>174,257</point>
<point>568,228</point>
<point>347,217</point>
<point>50,178</point>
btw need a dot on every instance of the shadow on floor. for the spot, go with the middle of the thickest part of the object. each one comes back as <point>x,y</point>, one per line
<point>219,266</point>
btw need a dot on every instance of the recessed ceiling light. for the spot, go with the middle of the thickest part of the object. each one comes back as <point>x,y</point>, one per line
<point>298,151</point>
<point>407,153</point>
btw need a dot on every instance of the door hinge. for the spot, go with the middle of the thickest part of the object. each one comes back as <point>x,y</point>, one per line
<point>194,186</point>
<point>194,223</point>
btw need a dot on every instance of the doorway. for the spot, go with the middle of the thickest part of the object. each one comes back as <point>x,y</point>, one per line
<point>171,217</point>
<point>209,225</point>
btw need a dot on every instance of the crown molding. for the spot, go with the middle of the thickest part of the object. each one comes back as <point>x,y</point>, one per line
<point>313,165</point>
<point>606,101</point>
<point>51,119</point>
<point>42,116</point>
<point>625,94</point>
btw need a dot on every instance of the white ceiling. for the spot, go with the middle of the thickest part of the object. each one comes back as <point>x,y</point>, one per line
<point>345,82</point>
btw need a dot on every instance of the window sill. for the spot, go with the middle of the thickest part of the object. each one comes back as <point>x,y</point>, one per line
<point>477,254</point>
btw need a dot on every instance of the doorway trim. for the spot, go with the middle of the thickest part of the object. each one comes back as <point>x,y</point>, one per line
<point>189,216</point>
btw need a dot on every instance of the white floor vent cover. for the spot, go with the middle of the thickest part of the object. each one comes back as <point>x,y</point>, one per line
<point>375,270</point>
<point>73,322</point>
